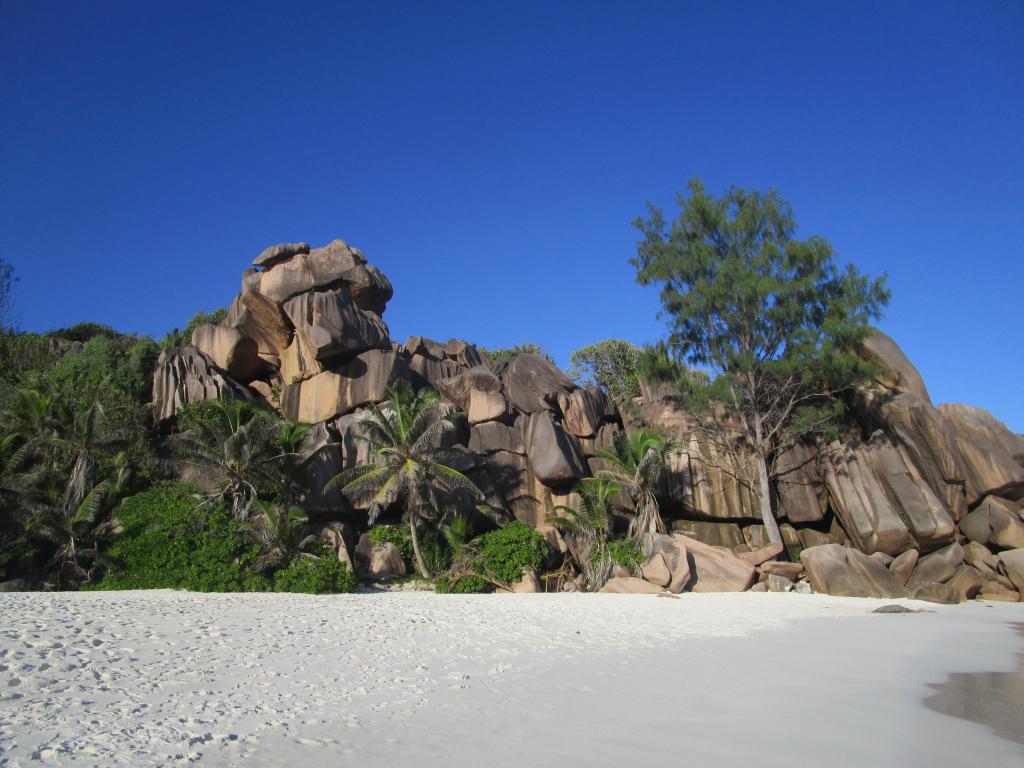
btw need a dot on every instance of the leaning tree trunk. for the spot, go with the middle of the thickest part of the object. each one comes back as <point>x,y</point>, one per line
<point>420,565</point>
<point>764,494</point>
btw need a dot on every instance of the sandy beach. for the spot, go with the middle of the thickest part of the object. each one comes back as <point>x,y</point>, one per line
<point>157,678</point>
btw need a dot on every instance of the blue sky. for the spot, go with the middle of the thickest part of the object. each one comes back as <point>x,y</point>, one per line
<point>489,157</point>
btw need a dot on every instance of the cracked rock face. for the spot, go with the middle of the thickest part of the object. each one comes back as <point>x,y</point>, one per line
<point>882,512</point>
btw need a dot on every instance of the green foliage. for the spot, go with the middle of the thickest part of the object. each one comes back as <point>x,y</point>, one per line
<point>460,585</point>
<point>183,337</point>
<point>527,348</point>
<point>504,554</point>
<point>411,466</point>
<point>638,462</point>
<point>316,576</point>
<point>168,542</point>
<point>612,365</point>
<point>594,520</point>
<point>624,552</point>
<point>83,332</point>
<point>771,315</point>
<point>238,443</point>
<point>742,294</point>
<point>397,535</point>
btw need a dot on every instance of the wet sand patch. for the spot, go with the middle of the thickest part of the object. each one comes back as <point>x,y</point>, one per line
<point>995,699</point>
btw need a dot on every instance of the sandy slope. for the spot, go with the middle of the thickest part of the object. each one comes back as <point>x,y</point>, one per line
<point>153,678</point>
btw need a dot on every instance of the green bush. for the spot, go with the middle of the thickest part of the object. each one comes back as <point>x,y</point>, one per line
<point>624,552</point>
<point>436,551</point>
<point>167,542</point>
<point>507,552</point>
<point>323,575</point>
<point>183,337</point>
<point>400,537</point>
<point>452,585</point>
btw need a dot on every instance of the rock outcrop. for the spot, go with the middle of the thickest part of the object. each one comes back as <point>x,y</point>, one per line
<point>911,499</point>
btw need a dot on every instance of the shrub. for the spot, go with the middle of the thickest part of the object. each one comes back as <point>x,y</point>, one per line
<point>322,575</point>
<point>167,542</point>
<point>451,585</point>
<point>436,551</point>
<point>397,535</point>
<point>183,337</point>
<point>624,552</point>
<point>505,553</point>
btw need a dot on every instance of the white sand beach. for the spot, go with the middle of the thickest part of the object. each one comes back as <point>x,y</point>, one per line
<point>158,678</point>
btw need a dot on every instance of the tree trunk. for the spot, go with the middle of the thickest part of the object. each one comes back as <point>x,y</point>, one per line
<point>763,488</point>
<point>420,565</point>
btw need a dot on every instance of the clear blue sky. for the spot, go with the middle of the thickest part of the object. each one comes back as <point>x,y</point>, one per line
<point>490,156</point>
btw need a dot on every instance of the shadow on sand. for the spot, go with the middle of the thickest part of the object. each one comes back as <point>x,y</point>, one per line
<point>990,698</point>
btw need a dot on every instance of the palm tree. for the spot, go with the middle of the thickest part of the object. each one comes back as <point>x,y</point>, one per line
<point>280,532</point>
<point>235,442</point>
<point>410,465</point>
<point>59,446</point>
<point>638,464</point>
<point>590,527</point>
<point>67,520</point>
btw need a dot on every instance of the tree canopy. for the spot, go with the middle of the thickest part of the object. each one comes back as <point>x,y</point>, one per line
<point>770,314</point>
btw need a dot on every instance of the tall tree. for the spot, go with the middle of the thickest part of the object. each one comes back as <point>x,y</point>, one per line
<point>410,465</point>
<point>770,315</point>
<point>611,364</point>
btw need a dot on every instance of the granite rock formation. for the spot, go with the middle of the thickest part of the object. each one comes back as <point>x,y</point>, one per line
<point>913,499</point>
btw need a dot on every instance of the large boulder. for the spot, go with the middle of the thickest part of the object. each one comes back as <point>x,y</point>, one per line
<point>630,585</point>
<point>985,427</point>
<point>230,351</point>
<point>260,318</point>
<point>927,443</point>
<point>334,264</point>
<point>893,369</point>
<point>994,521</point>
<point>281,252</point>
<point>799,486</point>
<point>967,581</point>
<point>330,325</point>
<point>459,389</point>
<point>836,570</point>
<point>1012,561</point>
<point>493,436</point>
<point>861,502</point>
<point>584,410</point>
<point>555,456</point>
<point>716,534</point>
<point>902,567</point>
<point>271,339</point>
<point>927,517</point>
<point>361,380</point>
<point>937,567</point>
<point>673,553</point>
<point>715,569</point>
<point>185,375</point>
<point>944,594</point>
<point>383,563</point>
<point>531,383</point>
<point>988,450</point>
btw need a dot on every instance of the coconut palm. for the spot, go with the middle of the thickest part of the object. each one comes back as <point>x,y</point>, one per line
<point>410,464</point>
<point>589,527</point>
<point>638,464</point>
<point>236,443</point>
<point>280,532</point>
<point>55,469</point>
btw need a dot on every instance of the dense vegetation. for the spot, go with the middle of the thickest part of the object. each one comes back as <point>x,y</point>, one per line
<point>762,327</point>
